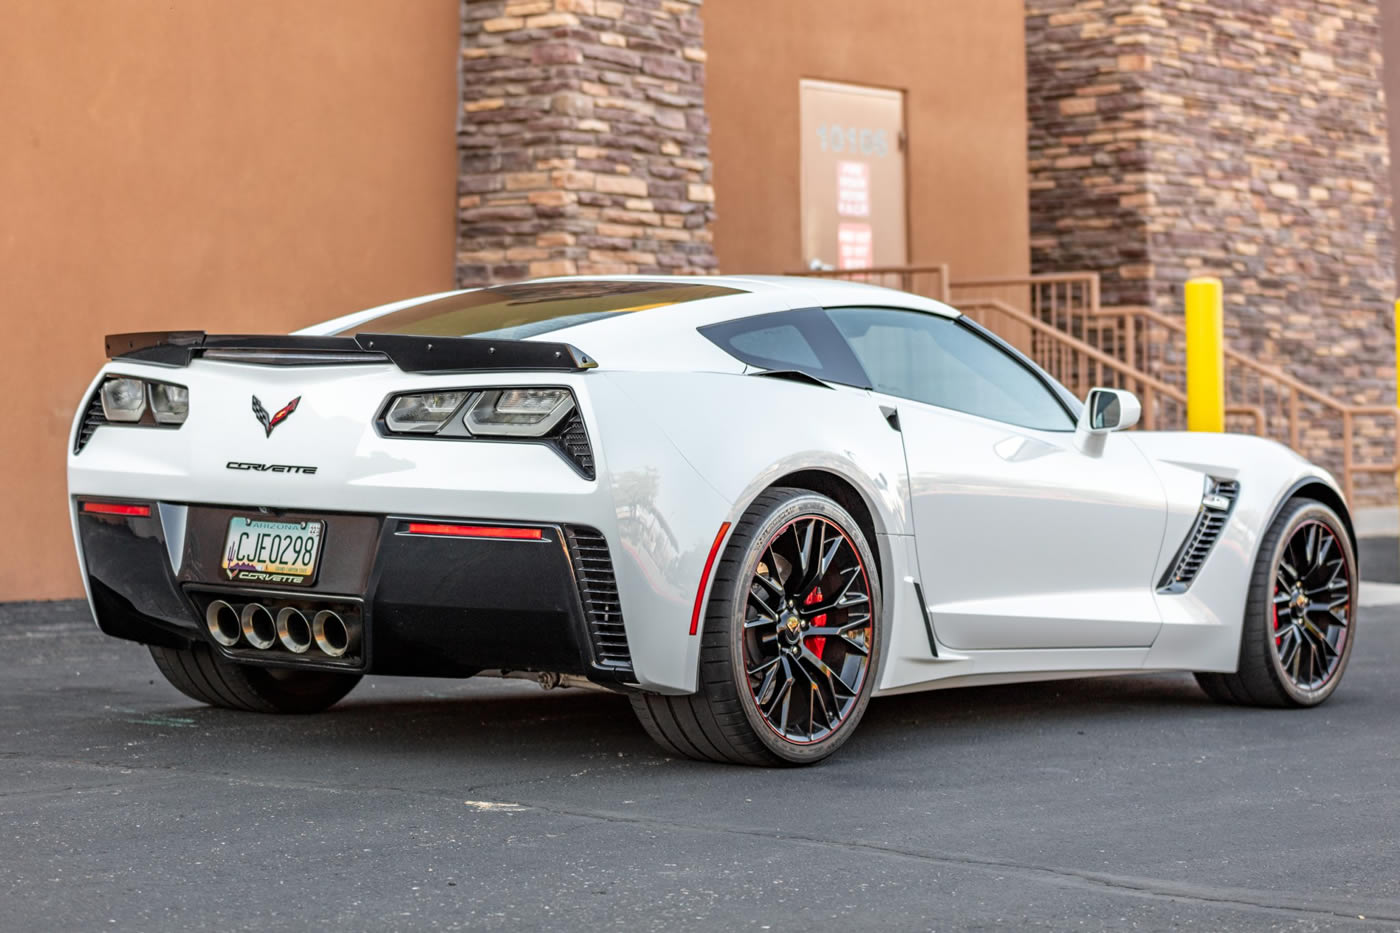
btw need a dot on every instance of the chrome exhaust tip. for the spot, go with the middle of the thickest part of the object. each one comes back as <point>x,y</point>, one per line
<point>332,635</point>
<point>223,623</point>
<point>258,625</point>
<point>293,631</point>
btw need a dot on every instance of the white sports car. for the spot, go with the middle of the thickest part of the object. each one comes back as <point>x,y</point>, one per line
<point>748,503</point>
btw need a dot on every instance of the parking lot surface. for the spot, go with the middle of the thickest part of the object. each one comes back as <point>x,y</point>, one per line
<point>1107,803</point>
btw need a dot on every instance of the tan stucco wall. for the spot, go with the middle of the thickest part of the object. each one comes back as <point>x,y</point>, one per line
<point>250,166</point>
<point>962,66</point>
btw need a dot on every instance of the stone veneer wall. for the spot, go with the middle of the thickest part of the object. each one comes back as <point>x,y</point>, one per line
<point>1240,138</point>
<point>583,141</point>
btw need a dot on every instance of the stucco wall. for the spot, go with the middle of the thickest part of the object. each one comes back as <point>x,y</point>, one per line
<point>961,64</point>
<point>249,166</point>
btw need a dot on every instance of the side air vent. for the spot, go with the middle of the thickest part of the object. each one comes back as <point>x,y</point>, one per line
<point>571,437</point>
<point>597,588</point>
<point>93,418</point>
<point>1216,503</point>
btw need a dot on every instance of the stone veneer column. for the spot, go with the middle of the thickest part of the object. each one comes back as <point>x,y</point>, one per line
<point>582,138</point>
<point>1241,138</point>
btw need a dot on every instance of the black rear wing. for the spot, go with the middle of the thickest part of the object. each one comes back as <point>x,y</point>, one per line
<point>409,352</point>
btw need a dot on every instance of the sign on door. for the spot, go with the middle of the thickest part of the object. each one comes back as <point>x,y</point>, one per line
<point>853,204</point>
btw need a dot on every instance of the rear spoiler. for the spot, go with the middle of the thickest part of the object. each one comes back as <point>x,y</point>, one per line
<point>409,352</point>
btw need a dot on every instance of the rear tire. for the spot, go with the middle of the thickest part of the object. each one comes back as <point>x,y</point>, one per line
<point>1299,619</point>
<point>734,715</point>
<point>200,674</point>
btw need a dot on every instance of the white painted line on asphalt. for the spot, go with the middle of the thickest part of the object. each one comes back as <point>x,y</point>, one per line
<point>1379,594</point>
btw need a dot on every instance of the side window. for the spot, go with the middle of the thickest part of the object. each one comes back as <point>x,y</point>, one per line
<point>936,360</point>
<point>804,340</point>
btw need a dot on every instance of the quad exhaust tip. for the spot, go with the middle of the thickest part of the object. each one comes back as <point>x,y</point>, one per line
<point>293,631</point>
<point>263,627</point>
<point>223,623</point>
<point>259,627</point>
<point>332,635</point>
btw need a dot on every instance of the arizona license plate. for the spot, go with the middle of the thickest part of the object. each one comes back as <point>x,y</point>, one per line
<point>258,551</point>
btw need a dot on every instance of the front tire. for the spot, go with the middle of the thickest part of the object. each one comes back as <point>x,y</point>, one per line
<point>791,642</point>
<point>200,674</point>
<point>1300,616</point>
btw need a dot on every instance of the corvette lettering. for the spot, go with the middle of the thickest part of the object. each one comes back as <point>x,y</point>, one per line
<point>270,467</point>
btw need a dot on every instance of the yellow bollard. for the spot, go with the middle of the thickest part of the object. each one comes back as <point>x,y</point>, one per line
<point>1205,355</point>
<point>1397,351</point>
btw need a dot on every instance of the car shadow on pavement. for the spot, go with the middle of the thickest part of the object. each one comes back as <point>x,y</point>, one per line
<point>569,723</point>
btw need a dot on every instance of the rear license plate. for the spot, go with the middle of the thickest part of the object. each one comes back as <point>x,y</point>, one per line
<point>258,551</point>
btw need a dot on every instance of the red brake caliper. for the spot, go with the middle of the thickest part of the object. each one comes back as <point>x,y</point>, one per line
<point>817,643</point>
<point>1278,639</point>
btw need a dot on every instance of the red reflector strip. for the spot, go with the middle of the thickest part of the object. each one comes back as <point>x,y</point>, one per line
<point>705,578</point>
<point>117,508</point>
<point>475,531</point>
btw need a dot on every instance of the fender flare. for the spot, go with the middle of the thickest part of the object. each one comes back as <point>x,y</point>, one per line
<point>1329,497</point>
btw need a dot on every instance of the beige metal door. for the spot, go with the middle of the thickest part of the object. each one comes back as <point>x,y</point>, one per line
<point>853,204</point>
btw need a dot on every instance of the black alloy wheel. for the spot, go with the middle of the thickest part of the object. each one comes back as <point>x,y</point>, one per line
<point>1312,606</point>
<point>1300,614</point>
<point>791,642</point>
<point>808,630</point>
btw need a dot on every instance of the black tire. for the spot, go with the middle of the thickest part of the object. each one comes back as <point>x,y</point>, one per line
<point>722,721</point>
<point>200,674</point>
<point>1262,677</point>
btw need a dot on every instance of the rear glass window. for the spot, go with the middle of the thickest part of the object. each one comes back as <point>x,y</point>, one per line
<point>803,340</point>
<point>782,344</point>
<point>513,312</point>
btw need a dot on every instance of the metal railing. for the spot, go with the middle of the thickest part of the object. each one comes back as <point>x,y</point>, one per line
<point>1079,365</point>
<point>1082,344</point>
<point>1275,404</point>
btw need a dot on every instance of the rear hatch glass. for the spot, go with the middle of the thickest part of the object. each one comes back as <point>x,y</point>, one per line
<point>514,312</point>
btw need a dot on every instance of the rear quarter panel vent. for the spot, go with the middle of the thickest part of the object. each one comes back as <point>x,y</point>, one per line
<point>93,418</point>
<point>597,588</point>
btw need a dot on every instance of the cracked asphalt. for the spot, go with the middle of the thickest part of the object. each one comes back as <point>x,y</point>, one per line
<point>1107,803</point>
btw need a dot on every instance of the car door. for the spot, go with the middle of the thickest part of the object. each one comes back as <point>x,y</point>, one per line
<point>1024,540</point>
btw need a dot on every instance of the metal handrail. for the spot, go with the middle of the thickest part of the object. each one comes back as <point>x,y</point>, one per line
<point>1295,389</point>
<point>1061,356</point>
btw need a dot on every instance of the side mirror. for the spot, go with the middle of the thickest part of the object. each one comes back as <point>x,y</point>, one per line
<point>1109,410</point>
<point>1105,410</point>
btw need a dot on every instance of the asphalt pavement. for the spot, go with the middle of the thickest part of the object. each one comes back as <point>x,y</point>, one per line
<point>1106,803</point>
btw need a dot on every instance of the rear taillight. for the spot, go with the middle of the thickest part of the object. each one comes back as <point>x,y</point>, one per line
<point>117,508</point>
<point>518,412</point>
<point>475,531</point>
<point>548,414</point>
<point>422,413</point>
<point>134,402</point>
<point>123,399</point>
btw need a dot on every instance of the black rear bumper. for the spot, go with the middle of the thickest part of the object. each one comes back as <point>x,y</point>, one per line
<point>430,605</point>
